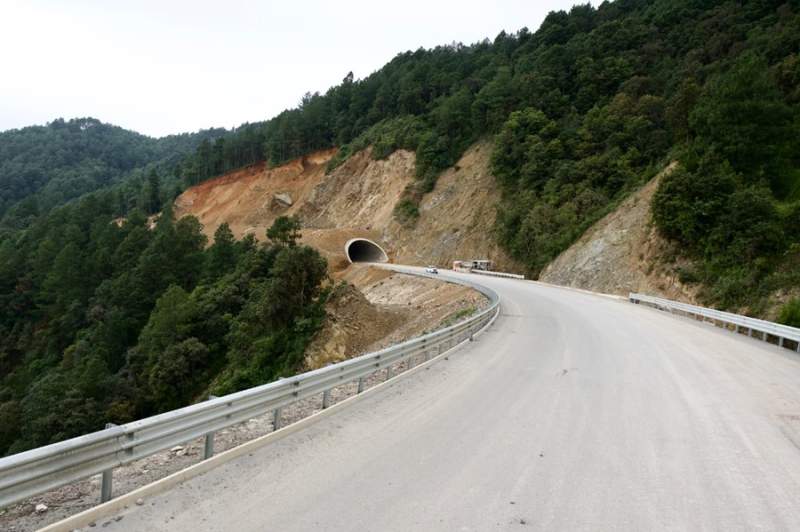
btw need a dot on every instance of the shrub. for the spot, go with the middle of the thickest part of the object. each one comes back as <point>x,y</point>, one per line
<point>406,211</point>
<point>790,313</point>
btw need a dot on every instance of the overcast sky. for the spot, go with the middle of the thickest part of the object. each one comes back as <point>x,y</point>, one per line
<point>161,67</point>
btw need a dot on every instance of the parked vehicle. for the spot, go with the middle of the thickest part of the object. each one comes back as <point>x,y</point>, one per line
<point>431,269</point>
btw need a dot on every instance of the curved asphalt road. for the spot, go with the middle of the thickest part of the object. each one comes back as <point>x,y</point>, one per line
<point>573,412</point>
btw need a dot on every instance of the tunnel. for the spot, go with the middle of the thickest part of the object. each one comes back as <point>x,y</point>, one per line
<point>363,250</point>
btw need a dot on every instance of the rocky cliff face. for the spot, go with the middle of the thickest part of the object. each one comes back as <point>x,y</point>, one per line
<point>456,219</point>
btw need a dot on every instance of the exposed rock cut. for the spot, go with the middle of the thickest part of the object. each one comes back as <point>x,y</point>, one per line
<point>623,253</point>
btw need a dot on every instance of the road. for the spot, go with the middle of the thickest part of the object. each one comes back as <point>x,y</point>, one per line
<point>573,412</point>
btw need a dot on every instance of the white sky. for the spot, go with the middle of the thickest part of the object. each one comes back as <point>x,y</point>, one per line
<point>161,67</point>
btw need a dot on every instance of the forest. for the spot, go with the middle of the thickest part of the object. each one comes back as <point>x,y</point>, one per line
<point>113,316</point>
<point>42,167</point>
<point>113,320</point>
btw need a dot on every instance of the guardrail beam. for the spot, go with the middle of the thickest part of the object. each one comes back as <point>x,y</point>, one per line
<point>727,320</point>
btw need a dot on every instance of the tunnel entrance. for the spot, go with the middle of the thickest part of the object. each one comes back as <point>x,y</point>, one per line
<point>363,250</point>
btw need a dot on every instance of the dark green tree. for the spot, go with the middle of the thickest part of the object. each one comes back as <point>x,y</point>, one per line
<point>153,193</point>
<point>285,230</point>
<point>222,253</point>
<point>742,116</point>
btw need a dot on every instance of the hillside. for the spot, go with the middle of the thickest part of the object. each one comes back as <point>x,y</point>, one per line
<point>357,199</point>
<point>42,167</point>
<point>376,308</point>
<point>623,253</point>
<point>582,113</point>
<point>117,320</point>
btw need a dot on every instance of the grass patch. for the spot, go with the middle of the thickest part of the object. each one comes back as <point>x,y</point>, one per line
<point>457,316</point>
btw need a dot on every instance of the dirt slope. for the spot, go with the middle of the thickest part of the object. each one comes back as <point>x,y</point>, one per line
<point>375,308</point>
<point>456,219</point>
<point>359,193</point>
<point>623,253</point>
<point>357,199</point>
<point>251,198</point>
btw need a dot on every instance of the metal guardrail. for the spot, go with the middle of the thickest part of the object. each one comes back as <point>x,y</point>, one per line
<point>45,468</point>
<point>498,274</point>
<point>763,327</point>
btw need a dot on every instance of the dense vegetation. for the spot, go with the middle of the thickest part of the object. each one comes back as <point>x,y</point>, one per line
<point>107,322</point>
<point>790,313</point>
<point>240,147</point>
<point>42,167</point>
<point>734,203</point>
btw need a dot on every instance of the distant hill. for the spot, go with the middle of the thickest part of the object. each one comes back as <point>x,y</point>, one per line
<point>52,164</point>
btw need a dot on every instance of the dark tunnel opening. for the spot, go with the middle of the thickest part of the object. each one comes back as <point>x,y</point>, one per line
<point>363,250</point>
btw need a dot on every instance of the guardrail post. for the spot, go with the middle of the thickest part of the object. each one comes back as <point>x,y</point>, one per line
<point>107,478</point>
<point>276,418</point>
<point>750,332</point>
<point>326,399</point>
<point>798,346</point>
<point>388,372</point>
<point>780,341</point>
<point>360,384</point>
<point>208,447</point>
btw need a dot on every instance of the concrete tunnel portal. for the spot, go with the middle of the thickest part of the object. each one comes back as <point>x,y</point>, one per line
<point>364,250</point>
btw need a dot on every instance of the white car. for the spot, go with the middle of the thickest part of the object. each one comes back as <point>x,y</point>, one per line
<point>431,269</point>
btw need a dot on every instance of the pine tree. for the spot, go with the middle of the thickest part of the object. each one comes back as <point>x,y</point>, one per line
<point>153,193</point>
<point>222,254</point>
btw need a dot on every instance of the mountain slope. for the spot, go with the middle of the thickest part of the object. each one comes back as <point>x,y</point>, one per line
<point>357,199</point>
<point>52,164</point>
<point>622,253</point>
<point>583,112</point>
